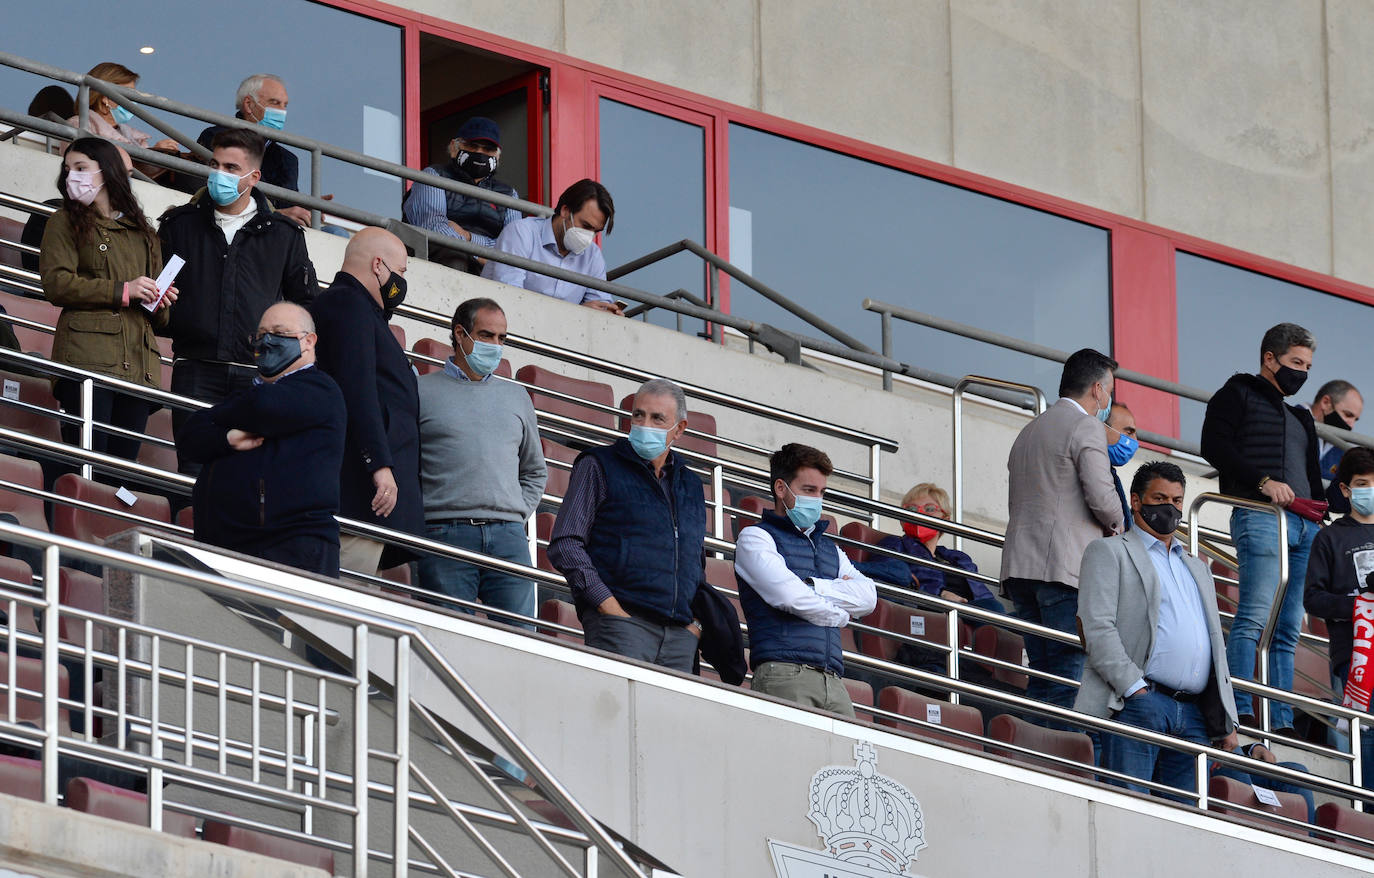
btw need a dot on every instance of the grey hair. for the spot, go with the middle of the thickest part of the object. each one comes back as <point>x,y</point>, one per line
<point>1279,339</point>
<point>1336,388</point>
<point>664,387</point>
<point>253,85</point>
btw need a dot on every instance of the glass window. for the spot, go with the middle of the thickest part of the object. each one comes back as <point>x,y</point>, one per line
<point>1223,312</point>
<point>655,169</point>
<point>828,230</point>
<point>201,52</point>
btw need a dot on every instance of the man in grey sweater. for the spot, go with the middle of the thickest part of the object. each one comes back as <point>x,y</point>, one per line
<point>482,471</point>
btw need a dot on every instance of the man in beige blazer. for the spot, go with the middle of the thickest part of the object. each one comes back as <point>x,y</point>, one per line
<point>1156,656</point>
<point>1060,497</point>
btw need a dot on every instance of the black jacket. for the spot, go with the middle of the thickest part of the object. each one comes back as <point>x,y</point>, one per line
<point>286,487</point>
<point>721,642</point>
<point>1243,433</point>
<point>357,349</point>
<point>224,289</point>
<point>280,167</point>
<point>1342,555</point>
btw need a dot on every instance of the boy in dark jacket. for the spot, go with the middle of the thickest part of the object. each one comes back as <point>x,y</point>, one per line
<point>1341,562</point>
<point>272,452</point>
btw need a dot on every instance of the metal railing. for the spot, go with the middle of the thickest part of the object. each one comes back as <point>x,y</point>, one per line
<point>957,421</point>
<point>249,727</point>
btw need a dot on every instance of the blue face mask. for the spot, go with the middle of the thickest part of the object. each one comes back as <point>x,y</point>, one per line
<point>1122,450</point>
<point>485,357</point>
<point>1362,500</point>
<point>273,118</point>
<point>122,116</point>
<point>224,187</point>
<point>805,511</point>
<point>648,442</point>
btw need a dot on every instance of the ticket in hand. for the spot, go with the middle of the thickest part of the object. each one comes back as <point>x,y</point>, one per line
<point>164,280</point>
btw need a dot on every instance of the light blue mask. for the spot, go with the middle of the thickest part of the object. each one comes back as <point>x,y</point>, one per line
<point>1362,500</point>
<point>1104,414</point>
<point>1122,450</point>
<point>648,442</point>
<point>224,187</point>
<point>485,357</point>
<point>805,511</point>
<point>273,118</point>
<point>122,116</point>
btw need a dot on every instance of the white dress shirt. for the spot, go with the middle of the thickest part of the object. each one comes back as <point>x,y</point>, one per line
<point>830,603</point>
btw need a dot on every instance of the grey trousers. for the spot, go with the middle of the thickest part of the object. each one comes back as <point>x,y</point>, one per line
<point>805,686</point>
<point>671,646</point>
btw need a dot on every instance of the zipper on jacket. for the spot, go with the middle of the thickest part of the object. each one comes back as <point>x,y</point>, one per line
<point>262,503</point>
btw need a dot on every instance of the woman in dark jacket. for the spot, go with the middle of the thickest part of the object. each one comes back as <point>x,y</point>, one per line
<point>98,262</point>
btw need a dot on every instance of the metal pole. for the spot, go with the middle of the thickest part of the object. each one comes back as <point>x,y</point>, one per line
<point>875,490</point>
<point>957,425</point>
<point>360,750</point>
<point>87,422</point>
<point>952,641</point>
<point>52,563</point>
<point>314,186</point>
<point>401,797</point>
<point>718,513</point>
<point>83,107</point>
<point>1356,765</point>
<point>887,347</point>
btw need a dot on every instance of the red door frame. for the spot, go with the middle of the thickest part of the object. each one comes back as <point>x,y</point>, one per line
<point>1143,294</point>
<point>534,123</point>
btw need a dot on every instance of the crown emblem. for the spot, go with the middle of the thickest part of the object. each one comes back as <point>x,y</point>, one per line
<point>865,818</point>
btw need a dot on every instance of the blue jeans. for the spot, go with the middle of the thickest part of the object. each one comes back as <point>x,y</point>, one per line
<point>1342,741</point>
<point>1055,606</point>
<point>1157,712</point>
<point>1257,549</point>
<point>1269,783</point>
<point>457,579</point>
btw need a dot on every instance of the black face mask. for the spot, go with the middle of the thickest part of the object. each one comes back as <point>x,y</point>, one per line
<point>274,353</point>
<point>1162,518</point>
<point>478,167</point>
<point>393,291</point>
<point>1334,420</point>
<point>1290,380</point>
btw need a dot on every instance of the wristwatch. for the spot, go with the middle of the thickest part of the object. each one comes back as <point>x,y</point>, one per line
<point>1262,482</point>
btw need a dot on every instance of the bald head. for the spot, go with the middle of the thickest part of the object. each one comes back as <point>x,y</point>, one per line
<point>373,254</point>
<point>289,320</point>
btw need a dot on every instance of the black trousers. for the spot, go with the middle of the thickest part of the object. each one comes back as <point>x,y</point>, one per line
<point>108,407</point>
<point>310,553</point>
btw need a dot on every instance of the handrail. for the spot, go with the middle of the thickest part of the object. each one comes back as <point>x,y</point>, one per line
<point>1045,352</point>
<point>957,421</point>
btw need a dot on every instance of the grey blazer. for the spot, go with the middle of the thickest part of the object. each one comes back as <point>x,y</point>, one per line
<point>1060,495</point>
<point>1118,609</point>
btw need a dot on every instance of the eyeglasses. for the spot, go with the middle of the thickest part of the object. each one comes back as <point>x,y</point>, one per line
<point>259,336</point>
<point>927,509</point>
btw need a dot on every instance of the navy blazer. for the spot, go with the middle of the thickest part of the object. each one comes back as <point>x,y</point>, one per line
<point>359,352</point>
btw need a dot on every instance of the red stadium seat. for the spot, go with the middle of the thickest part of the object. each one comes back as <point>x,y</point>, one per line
<point>1075,746</point>
<point>92,526</point>
<point>269,845</point>
<point>28,675</point>
<point>1317,625</point>
<point>26,508</point>
<point>697,421</point>
<point>84,592</point>
<point>32,392</point>
<point>33,341</point>
<point>399,334</point>
<point>557,485</point>
<point>589,391</point>
<point>163,457</point>
<point>1312,672</point>
<point>543,528</point>
<point>864,534</point>
<point>16,575</point>
<point>187,518</point>
<point>955,716</point>
<point>859,692</point>
<point>1225,789</point>
<point>1008,646</point>
<point>560,613</point>
<point>920,624</point>
<point>21,777</point>
<point>117,803</point>
<point>12,231</point>
<point>1343,818</point>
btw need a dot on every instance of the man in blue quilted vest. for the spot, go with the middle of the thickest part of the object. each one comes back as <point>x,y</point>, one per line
<point>798,589</point>
<point>631,533</point>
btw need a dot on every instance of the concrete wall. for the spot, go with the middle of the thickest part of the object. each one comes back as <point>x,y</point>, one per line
<point>1246,122</point>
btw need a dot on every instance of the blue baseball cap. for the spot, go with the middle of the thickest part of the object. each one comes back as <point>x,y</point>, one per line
<point>480,128</point>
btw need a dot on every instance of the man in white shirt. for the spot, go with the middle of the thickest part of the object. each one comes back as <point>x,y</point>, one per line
<point>798,589</point>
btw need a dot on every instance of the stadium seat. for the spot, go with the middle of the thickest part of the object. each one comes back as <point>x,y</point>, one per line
<point>11,230</point>
<point>430,347</point>
<point>268,845</point>
<point>860,692</point>
<point>1055,742</point>
<point>543,527</point>
<point>1312,672</point>
<point>698,421</point>
<point>186,518</point>
<point>33,341</point>
<point>1008,646</point>
<point>164,347</point>
<point>34,392</point>
<point>557,485</point>
<point>164,457</point>
<point>21,777</point>
<point>860,532</point>
<point>1317,626</point>
<point>28,674</point>
<point>590,391</point>
<point>93,527</point>
<point>117,803</point>
<point>84,592</point>
<point>26,508</point>
<point>920,624</point>
<point>1225,789</point>
<point>399,334</point>
<point>560,613</point>
<point>16,575</point>
<point>962,717</point>
<point>1343,818</point>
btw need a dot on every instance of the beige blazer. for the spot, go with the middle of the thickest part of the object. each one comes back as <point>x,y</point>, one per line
<point>1118,609</point>
<point>1060,495</point>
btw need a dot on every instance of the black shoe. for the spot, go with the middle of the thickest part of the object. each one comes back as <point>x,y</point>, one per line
<point>1248,720</point>
<point>1286,732</point>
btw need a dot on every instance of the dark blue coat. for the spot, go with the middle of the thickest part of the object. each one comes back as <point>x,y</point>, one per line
<point>285,488</point>
<point>357,349</point>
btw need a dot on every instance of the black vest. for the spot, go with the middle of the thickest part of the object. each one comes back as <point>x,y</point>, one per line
<point>473,214</point>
